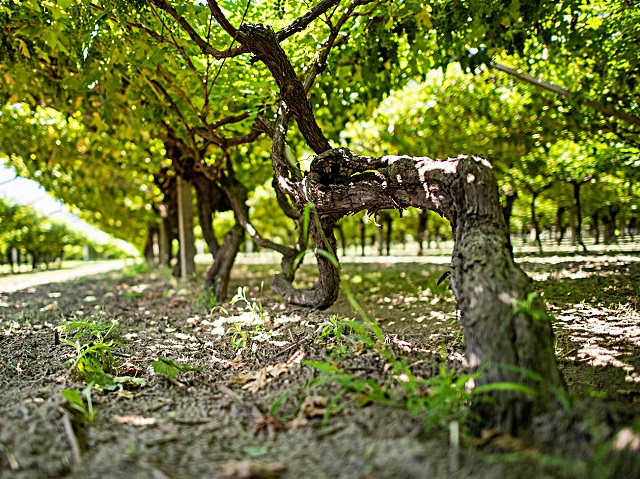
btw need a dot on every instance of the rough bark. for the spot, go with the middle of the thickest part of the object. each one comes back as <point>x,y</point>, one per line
<point>510,344</point>
<point>210,199</point>
<point>325,291</point>
<point>264,42</point>
<point>505,342</point>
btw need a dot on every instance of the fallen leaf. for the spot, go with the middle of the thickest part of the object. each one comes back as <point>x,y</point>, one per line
<point>255,380</point>
<point>311,407</point>
<point>237,361</point>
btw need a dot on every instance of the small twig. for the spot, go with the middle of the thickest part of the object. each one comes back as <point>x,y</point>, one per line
<point>71,438</point>
<point>284,351</point>
<point>13,463</point>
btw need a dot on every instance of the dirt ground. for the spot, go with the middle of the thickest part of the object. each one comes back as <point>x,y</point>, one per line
<point>288,393</point>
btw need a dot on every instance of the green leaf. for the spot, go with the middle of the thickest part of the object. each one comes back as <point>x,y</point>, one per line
<point>73,397</point>
<point>322,366</point>
<point>171,368</point>
<point>505,386</point>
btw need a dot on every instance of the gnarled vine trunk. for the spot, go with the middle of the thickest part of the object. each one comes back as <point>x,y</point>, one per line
<point>508,334</point>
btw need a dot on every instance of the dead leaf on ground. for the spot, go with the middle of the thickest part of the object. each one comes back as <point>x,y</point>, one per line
<point>247,469</point>
<point>506,442</point>
<point>312,407</point>
<point>177,302</point>
<point>255,380</point>
<point>237,361</point>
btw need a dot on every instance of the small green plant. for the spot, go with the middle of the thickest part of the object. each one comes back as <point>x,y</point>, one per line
<point>136,269</point>
<point>207,300</point>
<point>239,338</point>
<point>254,307</point>
<point>94,359</point>
<point>132,294</point>
<point>93,351</point>
<point>333,329</point>
<point>171,368</point>
<point>76,403</point>
<point>527,306</point>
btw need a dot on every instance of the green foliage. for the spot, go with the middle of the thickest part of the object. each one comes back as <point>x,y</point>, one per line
<point>136,269</point>
<point>94,355</point>
<point>133,294</point>
<point>26,230</point>
<point>527,306</point>
<point>93,351</point>
<point>171,368</point>
<point>80,405</point>
<point>253,307</point>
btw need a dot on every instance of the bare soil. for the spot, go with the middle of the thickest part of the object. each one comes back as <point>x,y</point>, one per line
<point>259,409</point>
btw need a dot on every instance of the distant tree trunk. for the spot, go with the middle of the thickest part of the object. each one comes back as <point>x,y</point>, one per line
<point>379,240</point>
<point>343,239</point>
<point>560,226</point>
<point>186,258</point>
<point>534,220</point>
<point>595,227</point>
<point>217,278</point>
<point>209,198</point>
<point>507,210</point>
<point>10,255</point>
<point>389,224</point>
<point>152,237</point>
<point>168,212</point>
<point>610,223</point>
<point>422,231</point>
<point>578,209</point>
<point>363,236</point>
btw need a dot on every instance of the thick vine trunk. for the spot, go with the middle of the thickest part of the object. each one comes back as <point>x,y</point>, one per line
<point>507,341</point>
<point>325,291</point>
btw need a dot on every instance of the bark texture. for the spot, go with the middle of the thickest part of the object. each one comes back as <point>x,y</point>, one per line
<point>508,341</point>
